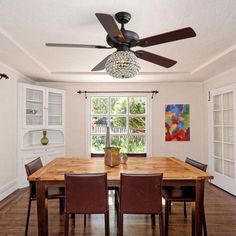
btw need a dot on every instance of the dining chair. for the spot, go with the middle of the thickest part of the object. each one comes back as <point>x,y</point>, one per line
<point>114,189</point>
<point>182,194</point>
<point>140,194</point>
<point>52,193</point>
<point>86,194</point>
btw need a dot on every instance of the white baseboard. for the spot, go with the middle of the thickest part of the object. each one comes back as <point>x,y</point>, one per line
<point>7,189</point>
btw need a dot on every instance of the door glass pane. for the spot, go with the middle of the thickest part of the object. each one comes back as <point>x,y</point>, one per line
<point>217,102</point>
<point>228,117</point>
<point>217,134</point>
<point>218,149</point>
<point>218,165</point>
<point>229,151</point>
<point>229,169</point>
<point>228,135</point>
<point>217,118</point>
<point>228,100</point>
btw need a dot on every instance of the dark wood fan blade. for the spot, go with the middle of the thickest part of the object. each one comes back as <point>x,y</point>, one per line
<point>167,37</point>
<point>110,26</point>
<point>156,59</point>
<point>69,45</point>
<point>101,65</point>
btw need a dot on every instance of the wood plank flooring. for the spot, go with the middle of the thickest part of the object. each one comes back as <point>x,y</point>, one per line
<point>220,215</point>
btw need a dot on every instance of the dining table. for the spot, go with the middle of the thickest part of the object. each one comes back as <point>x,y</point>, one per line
<point>175,173</point>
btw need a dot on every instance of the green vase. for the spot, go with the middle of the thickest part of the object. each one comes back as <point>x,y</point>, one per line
<point>44,139</point>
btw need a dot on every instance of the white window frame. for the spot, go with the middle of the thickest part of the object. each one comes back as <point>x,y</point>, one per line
<point>148,117</point>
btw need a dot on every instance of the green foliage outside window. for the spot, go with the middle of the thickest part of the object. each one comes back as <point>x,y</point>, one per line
<point>121,121</point>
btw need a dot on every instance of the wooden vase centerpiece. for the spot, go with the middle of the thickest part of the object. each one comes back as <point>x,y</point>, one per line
<point>111,156</point>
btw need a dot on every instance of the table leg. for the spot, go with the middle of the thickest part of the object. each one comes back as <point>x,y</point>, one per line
<point>199,204</point>
<point>42,209</point>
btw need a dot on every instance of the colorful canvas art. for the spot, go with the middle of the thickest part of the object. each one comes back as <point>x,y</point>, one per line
<point>177,122</point>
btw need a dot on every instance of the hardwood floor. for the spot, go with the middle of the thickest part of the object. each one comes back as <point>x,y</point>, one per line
<point>220,216</point>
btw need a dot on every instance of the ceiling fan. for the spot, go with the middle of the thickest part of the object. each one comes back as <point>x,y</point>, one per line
<point>124,40</point>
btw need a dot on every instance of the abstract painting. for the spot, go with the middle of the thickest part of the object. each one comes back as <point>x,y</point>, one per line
<point>177,122</point>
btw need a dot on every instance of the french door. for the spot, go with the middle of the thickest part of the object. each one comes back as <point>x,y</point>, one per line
<point>222,117</point>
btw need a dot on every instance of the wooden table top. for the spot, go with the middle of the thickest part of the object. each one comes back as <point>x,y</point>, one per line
<point>171,167</point>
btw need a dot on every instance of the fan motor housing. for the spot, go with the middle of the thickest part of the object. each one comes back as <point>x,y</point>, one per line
<point>131,39</point>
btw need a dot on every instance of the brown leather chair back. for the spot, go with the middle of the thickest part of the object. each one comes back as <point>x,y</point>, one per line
<point>33,166</point>
<point>86,193</point>
<point>196,164</point>
<point>141,193</point>
<point>30,168</point>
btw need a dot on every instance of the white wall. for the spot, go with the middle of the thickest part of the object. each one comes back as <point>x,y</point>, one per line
<point>169,93</point>
<point>8,131</point>
<point>224,79</point>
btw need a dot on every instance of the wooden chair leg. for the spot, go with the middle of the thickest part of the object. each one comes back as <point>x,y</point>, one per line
<point>66,224</point>
<point>61,205</point>
<point>204,223</point>
<point>107,228</point>
<point>85,220</point>
<point>28,216</point>
<point>166,217</point>
<point>161,224</point>
<point>185,210</point>
<point>120,224</point>
<point>153,219</point>
<point>116,199</point>
<point>193,218</point>
<point>169,207</point>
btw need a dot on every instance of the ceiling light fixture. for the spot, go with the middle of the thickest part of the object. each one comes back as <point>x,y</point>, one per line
<point>122,65</point>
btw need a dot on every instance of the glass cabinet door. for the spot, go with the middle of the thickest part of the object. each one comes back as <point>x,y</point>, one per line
<point>34,107</point>
<point>55,108</point>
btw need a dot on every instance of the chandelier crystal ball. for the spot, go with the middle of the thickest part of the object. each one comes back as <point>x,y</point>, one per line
<point>122,65</point>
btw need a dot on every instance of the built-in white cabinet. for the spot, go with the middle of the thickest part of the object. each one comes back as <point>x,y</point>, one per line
<point>222,136</point>
<point>40,108</point>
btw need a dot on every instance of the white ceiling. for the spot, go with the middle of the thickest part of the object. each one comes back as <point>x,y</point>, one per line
<point>25,27</point>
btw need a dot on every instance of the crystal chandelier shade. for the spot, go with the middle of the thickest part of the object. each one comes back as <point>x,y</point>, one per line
<point>122,65</point>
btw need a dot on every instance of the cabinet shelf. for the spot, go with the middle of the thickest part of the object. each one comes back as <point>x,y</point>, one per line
<point>39,147</point>
<point>32,138</point>
<point>34,101</point>
<point>55,103</point>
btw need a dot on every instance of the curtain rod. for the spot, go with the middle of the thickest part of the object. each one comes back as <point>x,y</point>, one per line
<point>3,76</point>
<point>86,92</point>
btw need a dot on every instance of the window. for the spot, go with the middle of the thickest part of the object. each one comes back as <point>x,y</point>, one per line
<point>127,119</point>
